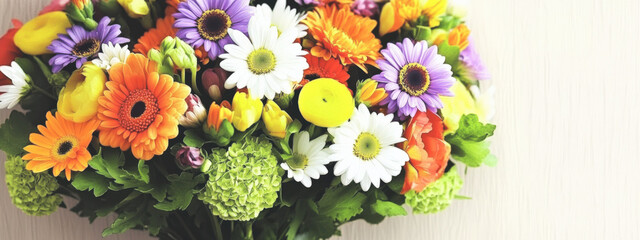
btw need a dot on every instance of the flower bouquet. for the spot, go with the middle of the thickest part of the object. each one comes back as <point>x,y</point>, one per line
<point>231,119</point>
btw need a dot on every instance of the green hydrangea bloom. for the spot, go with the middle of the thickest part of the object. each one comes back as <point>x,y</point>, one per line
<point>243,180</point>
<point>437,196</point>
<point>31,192</point>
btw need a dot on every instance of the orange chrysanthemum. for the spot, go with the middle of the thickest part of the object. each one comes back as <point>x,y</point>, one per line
<point>339,33</point>
<point>320,68</point>
<point>140,108</point>
<point>172,7</point>
<point>428,152</point>
<point>61,145</point>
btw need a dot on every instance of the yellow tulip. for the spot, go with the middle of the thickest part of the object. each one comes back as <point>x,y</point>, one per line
<point>78,100</point>
<point>135,8</point>
<point>275,120</point>
<point>246,111</point>
<point>462,103</point>
<point>37,34</point>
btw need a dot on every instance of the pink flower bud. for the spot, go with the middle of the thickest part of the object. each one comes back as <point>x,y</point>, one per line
<point>189,157</point>
<point>213,82</point>
<point>196,112</point>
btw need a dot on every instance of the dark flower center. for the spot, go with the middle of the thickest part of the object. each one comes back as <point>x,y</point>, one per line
<point>312,76</point>
<point>138,110</point>
<point>213,24</point>
<point>414,79</point>
<point>86,48</point>
<point>65,147</point>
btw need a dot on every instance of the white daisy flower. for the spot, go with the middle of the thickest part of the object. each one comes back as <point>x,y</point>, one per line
<point>282,17</point>
<point>111,55</point>
<point>265,63</point>
<point>309,159</point>
<point>364,148</point>
<point>12,94</point>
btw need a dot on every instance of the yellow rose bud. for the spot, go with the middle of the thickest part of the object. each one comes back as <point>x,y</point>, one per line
<point>36,35</point>
<point>275,120</point>
<point>246,111</point>
<point>135,8</point>
<point>454,107</point>
<point>78,100</point>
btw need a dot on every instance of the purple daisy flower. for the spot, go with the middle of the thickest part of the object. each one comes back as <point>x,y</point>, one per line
<point>471,62</point>
<point>206,22</point>
<point>414,76</point>
<point>79,44</point>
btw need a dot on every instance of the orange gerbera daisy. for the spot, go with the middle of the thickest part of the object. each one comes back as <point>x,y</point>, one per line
<point>341,34</point>
<point>320,68</point>
<point>61,145</point>
<point>140,108</point>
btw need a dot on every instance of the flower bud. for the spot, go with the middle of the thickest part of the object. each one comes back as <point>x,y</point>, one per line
<point>275,120</point>
<point>78,100</point>
<point>246,110</point>
<point>189,157</point>
<point>135,8</point>
<point>218,126</point>
<point>195,114</point>
<point>213,82</point>
<point>369,94</point>
<point>37,34</point>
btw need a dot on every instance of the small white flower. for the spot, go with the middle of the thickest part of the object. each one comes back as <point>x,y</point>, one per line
<point>364,149</point>
<point>10,95</point>
<point>282,17</point>
<point>111,55</point>
<point>309,159</point>
<point>265,63</point>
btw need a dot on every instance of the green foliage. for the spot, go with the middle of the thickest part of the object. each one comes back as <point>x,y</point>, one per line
<point>437,196</point>
<point>468,143</point>
<point>14,133</point>
<point>33,193</point>
<point>388,209</point>
<point>243,180</point>
<point>342,203</point>
<point>180,191</point>
<point>451,53</point>
<point>88,180</point>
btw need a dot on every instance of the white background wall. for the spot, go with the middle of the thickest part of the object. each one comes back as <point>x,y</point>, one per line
<point>568,103</point>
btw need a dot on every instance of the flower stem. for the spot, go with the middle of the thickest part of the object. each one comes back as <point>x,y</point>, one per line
<point>183,72</point>
<point>215,224</point>
<point>44,92</point>
<point>185,226</point>
<point>43,67</point>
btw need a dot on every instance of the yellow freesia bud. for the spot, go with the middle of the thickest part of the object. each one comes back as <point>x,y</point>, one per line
<point>246,111</point>
<point>454,107</point>
<point>135,8</point>
<point>37,34</point>
<point>275,120</point>
<point>369,93</point>
<point>78,100</point>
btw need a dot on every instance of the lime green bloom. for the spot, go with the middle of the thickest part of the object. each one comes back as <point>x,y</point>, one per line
<point>33,193</point>
<point>437,196</point>
<point>243,180</point>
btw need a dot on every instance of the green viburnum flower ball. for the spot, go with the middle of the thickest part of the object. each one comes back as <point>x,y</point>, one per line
<point>437,196</point>
<point>243,180</point>
<point>31,192</point>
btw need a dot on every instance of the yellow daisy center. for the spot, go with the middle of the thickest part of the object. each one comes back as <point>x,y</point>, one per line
<point>63,146</point>
<point>261,61</point>
<point>213,24</point>
<point>414,79</point>
<point>367,146</point>
<point>298,161</point>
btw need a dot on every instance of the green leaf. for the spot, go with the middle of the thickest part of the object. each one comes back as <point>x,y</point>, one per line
<point>14,133</point>
<point>451,53</point>
<point>468,143</point>
<point>180,192</point>
<point>341,203</point>
<point>388,209</point>
<point>192,138</point>
<point>124,222</point>
<point>143,170</point>
<point>88,180</point>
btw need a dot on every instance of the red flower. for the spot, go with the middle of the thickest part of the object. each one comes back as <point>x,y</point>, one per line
<point>320,68</point>
<point>428,152</point>
<point>8,50</point>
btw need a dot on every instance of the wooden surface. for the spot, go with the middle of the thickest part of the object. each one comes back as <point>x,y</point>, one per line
<point>567,73</point>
